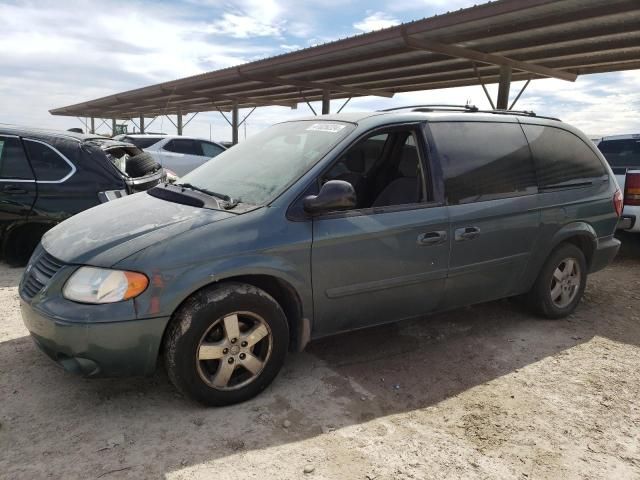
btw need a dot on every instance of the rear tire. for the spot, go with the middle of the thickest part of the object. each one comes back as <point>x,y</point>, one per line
<point>226,344</point>
<point>560,284</point>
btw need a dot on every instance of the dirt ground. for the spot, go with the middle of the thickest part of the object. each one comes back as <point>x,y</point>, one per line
<point>483,392</point>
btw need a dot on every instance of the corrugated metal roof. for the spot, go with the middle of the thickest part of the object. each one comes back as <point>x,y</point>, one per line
<point>538,38</point>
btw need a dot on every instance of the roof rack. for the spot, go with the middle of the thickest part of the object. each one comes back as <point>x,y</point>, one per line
<point>527,113</point>
<point>466,108</point>
<point>443,107</point>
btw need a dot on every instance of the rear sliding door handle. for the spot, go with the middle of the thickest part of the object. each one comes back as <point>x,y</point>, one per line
<point>466,233</point>
<point>432,238</point>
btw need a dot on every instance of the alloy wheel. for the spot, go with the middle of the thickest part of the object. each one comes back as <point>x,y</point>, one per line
<point>565,282</point>
<point>234,350</point>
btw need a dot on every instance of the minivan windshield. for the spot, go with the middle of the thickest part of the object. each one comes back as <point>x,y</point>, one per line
<point>258,169</point>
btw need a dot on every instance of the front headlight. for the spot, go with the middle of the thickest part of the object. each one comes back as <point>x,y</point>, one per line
<point>101,285</point>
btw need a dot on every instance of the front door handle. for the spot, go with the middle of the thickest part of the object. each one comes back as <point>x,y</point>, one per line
<point>13,190</point>
<point>466,233</point>
<point>432,238</point>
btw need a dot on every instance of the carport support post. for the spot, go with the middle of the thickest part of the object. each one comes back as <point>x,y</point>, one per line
<point>113,127</point>
<point>326,102</point>
<point>93,125</point>
<point>235,123</point>
<point>141,124</point>
<point>179,124</point>
<point>503,87</point>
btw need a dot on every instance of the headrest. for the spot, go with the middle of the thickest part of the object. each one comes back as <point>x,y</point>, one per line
<point>408,166</point>
<point>354,159</point>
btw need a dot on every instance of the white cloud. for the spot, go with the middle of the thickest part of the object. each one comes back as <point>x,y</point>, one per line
<point>50,59</point>
<point>250,18</point>
<point>244,26</point>
<point>376,21</point>
<point>288,47</point>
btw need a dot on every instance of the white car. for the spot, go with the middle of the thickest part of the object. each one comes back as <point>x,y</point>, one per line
<point>177,154</point>
<point>623,154</point>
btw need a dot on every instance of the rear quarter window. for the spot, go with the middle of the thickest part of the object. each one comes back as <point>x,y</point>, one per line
<point>185,146</point>
<point>561,158</point>
<point>483,161</point>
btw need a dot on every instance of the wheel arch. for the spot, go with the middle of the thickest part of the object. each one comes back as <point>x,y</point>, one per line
<point>580,234</point>
<point>282,292</point>
<point>289,300</point>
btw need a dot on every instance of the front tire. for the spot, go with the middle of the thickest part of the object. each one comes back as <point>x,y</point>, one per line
<point>560,284</point>
<point>226,344</point>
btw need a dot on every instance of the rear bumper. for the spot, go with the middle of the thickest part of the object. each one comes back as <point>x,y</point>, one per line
<point>628,221</point>
<point>141,184</point>
<point>605,253</point>
<point>96,349</point>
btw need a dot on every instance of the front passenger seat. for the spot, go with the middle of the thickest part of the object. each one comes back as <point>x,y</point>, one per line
<point>406,188</point>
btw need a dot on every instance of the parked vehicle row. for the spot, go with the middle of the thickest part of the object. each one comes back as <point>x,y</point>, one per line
<point>177,154</point>
<point>319,226</point>
<point>623,154</point>
<point>47,176</point>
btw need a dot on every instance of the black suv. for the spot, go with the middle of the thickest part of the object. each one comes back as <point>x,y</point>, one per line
<point>47,176</point>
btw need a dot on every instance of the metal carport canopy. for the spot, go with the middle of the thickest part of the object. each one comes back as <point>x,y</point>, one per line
<point>499,41</point>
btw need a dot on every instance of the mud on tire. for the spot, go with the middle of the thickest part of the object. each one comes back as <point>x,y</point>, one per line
<point>224,328</point>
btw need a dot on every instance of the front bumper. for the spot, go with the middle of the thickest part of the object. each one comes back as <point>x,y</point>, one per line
<point>605,253</point>
<point>97,349</point>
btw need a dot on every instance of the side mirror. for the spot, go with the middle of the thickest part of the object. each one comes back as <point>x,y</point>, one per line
<point>334,195</point>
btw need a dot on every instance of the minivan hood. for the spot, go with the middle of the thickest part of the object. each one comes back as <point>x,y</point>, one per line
<point>104,235</point>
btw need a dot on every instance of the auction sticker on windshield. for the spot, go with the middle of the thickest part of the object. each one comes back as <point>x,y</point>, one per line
<point>326,127</point>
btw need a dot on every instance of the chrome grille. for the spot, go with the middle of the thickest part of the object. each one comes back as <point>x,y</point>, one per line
<point>43,268</point>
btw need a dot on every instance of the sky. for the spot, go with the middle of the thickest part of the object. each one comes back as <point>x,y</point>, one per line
<point>54,54</point>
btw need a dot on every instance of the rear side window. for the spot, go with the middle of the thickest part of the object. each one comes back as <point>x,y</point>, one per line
<point>47,164</point>
<point>142,142</point>
<point>183,145</point>
<point>483,161</point>
<point>13,161</point>
<point>211,149</point>
<point>561,158</point>
<point>621,153</point>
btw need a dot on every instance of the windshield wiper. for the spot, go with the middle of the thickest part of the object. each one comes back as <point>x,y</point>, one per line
<point>229,201</point>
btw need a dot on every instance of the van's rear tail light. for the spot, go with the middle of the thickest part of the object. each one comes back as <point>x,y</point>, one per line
<point>632,189</point>
<point>617,202</point>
